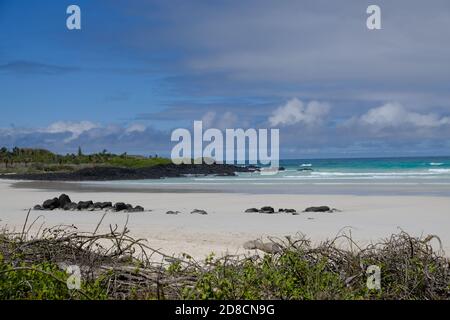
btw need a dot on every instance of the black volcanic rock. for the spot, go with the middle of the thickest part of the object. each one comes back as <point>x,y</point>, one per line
<point>70,206</point>
<point>198,211</point>
<point>51,204</point>
<point>136,209</point>
<point>102,205</point>
<point>98,205</point>
<point>118,173</point>
<point>63,200</point>
<point>251,210</point>
<point>318,209</point>
<point>267,210</point>
<point>84,205</point>
<point>120,206</point>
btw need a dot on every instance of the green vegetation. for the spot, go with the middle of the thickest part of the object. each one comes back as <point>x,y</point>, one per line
<point>117,266</point>
<point>43,281</point>
<point>25,160</point>
<point>136,162</point>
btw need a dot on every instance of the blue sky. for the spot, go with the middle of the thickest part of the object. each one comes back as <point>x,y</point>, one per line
<point>138,69</point>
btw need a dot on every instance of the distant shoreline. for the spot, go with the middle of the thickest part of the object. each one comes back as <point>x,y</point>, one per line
<point>101,173</point>
<point>164,186</point>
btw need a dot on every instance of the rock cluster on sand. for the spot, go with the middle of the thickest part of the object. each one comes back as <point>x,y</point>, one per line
<point>271,210</point>
<point>198,211</point>
<point>195,211</point>
<point>321,209</point>
<point>293,211</point>
<point>64,203</point>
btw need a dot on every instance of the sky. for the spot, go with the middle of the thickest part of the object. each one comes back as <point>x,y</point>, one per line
<point>139,69</point>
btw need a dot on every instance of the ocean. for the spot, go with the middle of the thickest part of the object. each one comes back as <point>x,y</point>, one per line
<point>368,169</point>
<point>418,175</point>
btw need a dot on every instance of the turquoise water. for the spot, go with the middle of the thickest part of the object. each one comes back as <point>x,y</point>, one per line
<point>375,168</point>
<point>339,171</point>
<point>388,176</point>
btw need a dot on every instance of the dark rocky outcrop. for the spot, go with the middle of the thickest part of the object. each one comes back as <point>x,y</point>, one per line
<point>270,210</point>
<point>103,205</point>
<point>51,204</point>
<point>71,206</point>
<point>319,209</point>
<point>136,209</point>
<point>119,173</point>
<point>84,205</point>
<point>267,209</point>
<point>198,211</point>
<point>120,206</point>
<point>63,202</point>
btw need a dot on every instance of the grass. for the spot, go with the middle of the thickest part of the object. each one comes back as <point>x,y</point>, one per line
<point>116,266</point>
<point>137,162</point>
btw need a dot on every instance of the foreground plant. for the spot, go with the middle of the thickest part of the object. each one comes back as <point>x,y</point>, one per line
<point>116,266</point>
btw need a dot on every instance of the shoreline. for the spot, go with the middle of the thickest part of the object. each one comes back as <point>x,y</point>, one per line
<point>226,227</point>
<point>318,188</point>
<point>115,173</point>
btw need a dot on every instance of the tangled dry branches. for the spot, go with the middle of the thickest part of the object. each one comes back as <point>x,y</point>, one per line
<point>129,268</point>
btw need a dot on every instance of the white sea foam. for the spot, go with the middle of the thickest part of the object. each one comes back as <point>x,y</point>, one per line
<point>388,174</point>
<point>439,170</point>
<point>436,163</point>
<point>306,165</point>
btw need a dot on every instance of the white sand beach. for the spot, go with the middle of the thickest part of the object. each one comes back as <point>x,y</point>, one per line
<point>227,227</point>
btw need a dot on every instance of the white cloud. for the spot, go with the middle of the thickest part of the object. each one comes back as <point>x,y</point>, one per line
<point>136,127</point>
<point>75,128</point>
<point>223,121</point>
<point>295,111</point>
<point>396,115</point>
<point>208,119</point>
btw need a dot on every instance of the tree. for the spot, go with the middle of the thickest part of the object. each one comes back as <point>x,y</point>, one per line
<point>80,153</point>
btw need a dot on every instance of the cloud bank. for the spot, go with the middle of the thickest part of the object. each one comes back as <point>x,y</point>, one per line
<point>307,129</point>
<point>395,115</point>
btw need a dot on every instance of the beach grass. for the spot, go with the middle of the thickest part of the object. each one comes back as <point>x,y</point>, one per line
<point>117,266</point>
